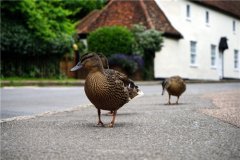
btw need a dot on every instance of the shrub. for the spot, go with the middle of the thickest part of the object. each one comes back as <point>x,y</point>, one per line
<point>129,63</point>
<point>147,42</point>
<point>111,40</point>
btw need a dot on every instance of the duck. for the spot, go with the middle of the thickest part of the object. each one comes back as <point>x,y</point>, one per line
<point>107,89</point>
<point>175,86</point>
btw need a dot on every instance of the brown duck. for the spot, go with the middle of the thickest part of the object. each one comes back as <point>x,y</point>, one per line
<point>107,89</point>
<point>106,67</point>
<point>175,86</point>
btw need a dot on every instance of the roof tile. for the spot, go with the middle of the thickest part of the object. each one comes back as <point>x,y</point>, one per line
<point>128,13</point>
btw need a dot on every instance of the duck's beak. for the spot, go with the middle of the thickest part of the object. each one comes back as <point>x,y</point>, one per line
<point>77,67</point>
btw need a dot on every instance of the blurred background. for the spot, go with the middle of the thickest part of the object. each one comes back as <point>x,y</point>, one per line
<point>146,40</point>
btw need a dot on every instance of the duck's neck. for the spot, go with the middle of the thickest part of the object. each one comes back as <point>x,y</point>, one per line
<point>96,70</point>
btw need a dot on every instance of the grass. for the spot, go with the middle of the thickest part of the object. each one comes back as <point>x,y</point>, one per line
<point>36,79</point>
<point>20,81</point>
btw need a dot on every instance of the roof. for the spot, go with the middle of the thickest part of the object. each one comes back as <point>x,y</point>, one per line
<point>230,7</point>
<point>128,13</point>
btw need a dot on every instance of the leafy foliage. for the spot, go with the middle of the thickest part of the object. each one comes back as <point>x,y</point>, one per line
<point>147,42</point>
<point>111,40</point>
<point>32,30</point>
<point>16,39</point>
<point>40,27</point>
<point>80,8</point>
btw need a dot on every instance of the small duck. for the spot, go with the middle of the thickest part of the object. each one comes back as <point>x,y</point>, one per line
<point>107,89</point>
<point>175,86</point>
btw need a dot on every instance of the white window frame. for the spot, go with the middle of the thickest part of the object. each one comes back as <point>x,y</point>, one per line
<point>193,53</point>
<point>213,50</point>
<point>236,60</point>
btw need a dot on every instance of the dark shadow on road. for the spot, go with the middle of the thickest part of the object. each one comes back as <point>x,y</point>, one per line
<point>117,124</point>
<point>174,104</point>
<point>121,114</point>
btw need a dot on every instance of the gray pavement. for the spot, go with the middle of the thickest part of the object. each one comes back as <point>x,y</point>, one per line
<point>24,101</point>
<point>145,128</point>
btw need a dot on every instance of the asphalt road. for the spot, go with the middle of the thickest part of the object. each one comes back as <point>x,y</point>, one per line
<point>145,128</point>
<point>24,101</point>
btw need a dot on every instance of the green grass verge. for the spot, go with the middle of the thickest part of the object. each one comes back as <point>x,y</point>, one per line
<point>18,81</point>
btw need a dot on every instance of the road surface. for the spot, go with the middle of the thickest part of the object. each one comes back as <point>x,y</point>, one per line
<point>200,127</point>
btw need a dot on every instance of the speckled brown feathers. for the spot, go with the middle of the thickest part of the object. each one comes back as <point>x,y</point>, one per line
<point>128,83</point>
<point>175,86</point>
<point>107,89</point>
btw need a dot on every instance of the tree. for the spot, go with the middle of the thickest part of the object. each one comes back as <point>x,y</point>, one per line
<point>41,22</point>
<point>81,8</point>
<point>33,29</point>
<point>147,42</point>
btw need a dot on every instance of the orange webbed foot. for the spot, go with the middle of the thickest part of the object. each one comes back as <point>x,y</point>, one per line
<point>110,125</point>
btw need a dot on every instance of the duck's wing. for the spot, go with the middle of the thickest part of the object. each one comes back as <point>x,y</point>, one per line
<point>133,90</point>
<point>120,76</point>
<point>176,85</point>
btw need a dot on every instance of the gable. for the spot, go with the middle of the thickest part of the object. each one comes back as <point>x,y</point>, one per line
<point>128,13</point>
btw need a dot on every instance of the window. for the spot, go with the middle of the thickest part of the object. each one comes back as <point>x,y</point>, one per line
<point>213,55</point>
<point>234,26</point>
<point>236,59</point>
<point>188,14</point>
<point>193,52</point>
<point>207,17</point>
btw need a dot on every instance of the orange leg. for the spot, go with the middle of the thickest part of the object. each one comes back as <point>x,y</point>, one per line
<point>113,119</point>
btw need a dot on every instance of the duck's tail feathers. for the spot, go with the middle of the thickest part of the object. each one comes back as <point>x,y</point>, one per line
<point>135,93</point>
<point>139,94</point>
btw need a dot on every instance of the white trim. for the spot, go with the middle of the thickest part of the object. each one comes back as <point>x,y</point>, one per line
<point>215,56</point>
<point>194,65</point>
<point>193,53</point>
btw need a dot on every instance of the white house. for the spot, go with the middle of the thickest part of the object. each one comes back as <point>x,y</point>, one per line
<point>197,55</point>
<point>192,33</point>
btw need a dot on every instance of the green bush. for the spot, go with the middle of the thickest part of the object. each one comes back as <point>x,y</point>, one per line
<point>19,40</point>
<point>111,40</point>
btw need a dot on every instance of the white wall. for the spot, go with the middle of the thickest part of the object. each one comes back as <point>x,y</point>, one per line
<point>174,58</point>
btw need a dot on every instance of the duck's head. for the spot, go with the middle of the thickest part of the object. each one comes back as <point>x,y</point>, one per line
<point>89,61</point>
<point>164,83</point>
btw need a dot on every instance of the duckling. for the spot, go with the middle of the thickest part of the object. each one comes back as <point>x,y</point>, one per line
<point>107,89</point>
<point>175,86</point>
